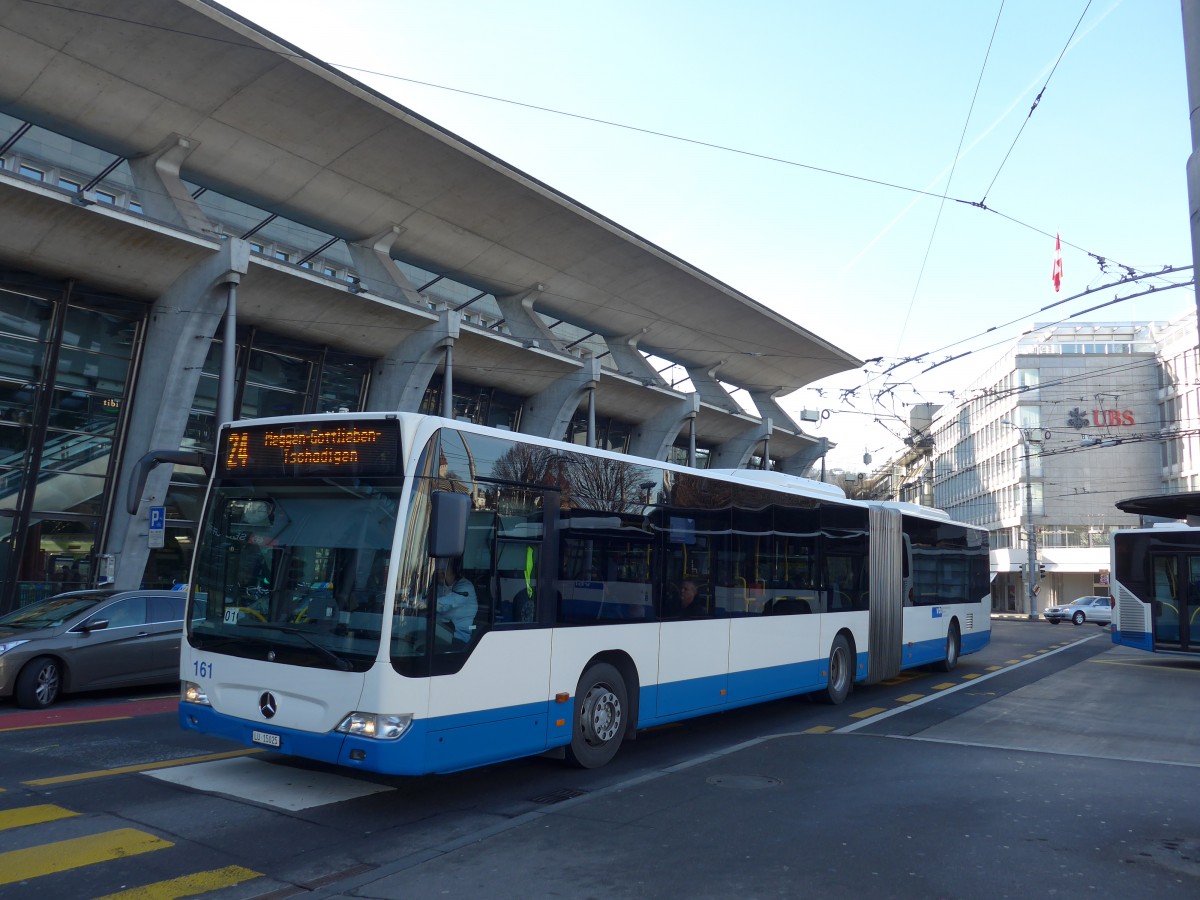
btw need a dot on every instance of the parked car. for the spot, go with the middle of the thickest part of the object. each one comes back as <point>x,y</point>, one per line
<point>1085,609</point>
<point>89,640</point>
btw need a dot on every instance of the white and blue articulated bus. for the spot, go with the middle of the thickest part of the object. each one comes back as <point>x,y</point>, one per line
<point>409,594</point>
<point>1155,576</point>
<point>1156,588</point>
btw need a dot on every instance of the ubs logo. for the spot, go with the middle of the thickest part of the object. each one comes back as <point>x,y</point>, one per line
<point>1077,418</point>
<point>267,705</point>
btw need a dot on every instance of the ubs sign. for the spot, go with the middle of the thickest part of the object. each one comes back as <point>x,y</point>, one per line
<point>1078,418</point>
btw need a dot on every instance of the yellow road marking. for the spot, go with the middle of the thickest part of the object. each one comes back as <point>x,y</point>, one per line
<point>1012,662</point>
<point>867,713</point>
<point>1027,656</point>
<point>969,677</point>
<point>47,859</point>
<point>909,698</point>
<point>993,668</point>
<point>819,729</point>
<point>143,767</point>
<point>188,885</point>
<point>33,815</point>
<point>944,685</point>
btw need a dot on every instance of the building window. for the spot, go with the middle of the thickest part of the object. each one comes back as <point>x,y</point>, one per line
<point>31,172</point>
<point>282,257</point>
<point>68,185</point>
<point>135,207</point>
<point>106,197</point>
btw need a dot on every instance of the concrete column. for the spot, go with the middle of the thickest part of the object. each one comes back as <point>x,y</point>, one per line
<point>182,324</point>
<point>523,323</point>
<point>767,405</point>
<point>549,413</point>
<point>799,463</point>
<point>161,190</point>
<point>710,391</point>
<point>736,452</point>
<point>378,271</point>
<point>654,437</point>
<point>400,379</point>
<point>629,361</point>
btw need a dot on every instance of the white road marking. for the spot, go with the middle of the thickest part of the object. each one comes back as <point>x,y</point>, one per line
<point>269,784</point>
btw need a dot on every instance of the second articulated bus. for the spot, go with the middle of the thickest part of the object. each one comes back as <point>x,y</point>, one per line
<point>408,594</point>
<point>1156,588</point>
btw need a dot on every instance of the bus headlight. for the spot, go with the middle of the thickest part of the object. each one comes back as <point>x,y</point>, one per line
<point>376,725</point>
<point>190,692</point>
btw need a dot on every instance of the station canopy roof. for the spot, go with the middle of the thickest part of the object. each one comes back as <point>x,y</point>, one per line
<point>1184,505</point>
<point>282,130</point>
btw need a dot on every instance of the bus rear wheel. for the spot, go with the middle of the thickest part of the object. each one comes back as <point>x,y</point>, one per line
<point>601,708</point>
<point>953,646</point>
<point>841,672</point>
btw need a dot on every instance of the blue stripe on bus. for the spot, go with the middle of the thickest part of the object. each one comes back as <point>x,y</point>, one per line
<point>974,641</point>
<point>451,743</point>
<point>455,742</point>
<point>1139,640</point>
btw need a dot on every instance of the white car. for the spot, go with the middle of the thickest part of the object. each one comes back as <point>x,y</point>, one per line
<point>1085,609</point>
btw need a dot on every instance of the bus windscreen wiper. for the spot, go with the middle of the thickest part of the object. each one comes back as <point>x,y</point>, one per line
<point>323,650</point>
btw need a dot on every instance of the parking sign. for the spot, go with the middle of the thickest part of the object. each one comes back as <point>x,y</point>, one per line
<point>158,527</point>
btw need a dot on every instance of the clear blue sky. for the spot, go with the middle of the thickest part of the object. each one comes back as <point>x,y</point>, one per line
<point>876,90</point>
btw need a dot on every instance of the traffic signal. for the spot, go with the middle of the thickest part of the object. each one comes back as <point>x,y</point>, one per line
<point>1041,570</point>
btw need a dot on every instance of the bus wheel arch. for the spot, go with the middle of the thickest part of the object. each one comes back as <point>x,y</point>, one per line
<point>605,710</point>
<point>953,648</point>
<point>842,667</point>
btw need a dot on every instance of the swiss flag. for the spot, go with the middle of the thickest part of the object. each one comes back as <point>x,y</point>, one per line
<point>1057,273</point>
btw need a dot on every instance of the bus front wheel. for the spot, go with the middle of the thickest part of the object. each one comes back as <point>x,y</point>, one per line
<point>841,672</point>
<point>953,646</point>
<point>601,707</point>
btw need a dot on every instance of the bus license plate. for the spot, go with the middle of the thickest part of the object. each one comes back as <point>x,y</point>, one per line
<point>262,737</point>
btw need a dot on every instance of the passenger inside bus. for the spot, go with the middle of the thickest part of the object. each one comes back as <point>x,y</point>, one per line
<point>689,604</point>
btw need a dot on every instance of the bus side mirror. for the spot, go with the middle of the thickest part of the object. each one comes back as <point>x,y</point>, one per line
<point>448,524</point>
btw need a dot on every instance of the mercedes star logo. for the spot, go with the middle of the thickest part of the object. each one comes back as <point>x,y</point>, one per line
<point>267,705</point>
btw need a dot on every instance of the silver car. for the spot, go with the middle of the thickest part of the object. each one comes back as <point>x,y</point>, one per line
<point>1085,609</point>
<point>89,640</point>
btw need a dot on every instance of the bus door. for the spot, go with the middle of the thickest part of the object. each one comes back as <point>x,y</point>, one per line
<point>1176,601</point>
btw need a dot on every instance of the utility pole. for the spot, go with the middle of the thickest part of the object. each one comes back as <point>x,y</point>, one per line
<point>1031,536</point>
<point>1031,563</point>
<point>1191,54</point>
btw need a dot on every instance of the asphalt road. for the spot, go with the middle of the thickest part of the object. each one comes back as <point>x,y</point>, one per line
<point>1050,763</point>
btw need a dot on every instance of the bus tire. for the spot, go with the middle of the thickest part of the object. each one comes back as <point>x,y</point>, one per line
<point>841,672</point>
<point>953,647</point>
<point>39,683</point>
<point>601,711</point>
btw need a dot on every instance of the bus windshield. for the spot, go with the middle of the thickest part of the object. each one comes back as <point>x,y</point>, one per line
<point>294,572</point>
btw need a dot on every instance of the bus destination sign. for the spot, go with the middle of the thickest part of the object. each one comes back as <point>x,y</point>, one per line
<point>337,448</point>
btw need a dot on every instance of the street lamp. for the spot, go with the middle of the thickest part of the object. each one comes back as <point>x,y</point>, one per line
<point>1031,566</point>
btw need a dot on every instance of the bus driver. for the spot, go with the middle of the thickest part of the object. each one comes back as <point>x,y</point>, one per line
<point>456,603</point>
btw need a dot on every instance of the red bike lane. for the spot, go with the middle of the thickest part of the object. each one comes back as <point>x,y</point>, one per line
<point>80,715</point>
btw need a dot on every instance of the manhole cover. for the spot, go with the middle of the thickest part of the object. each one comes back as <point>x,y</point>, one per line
<point>745,782</point>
